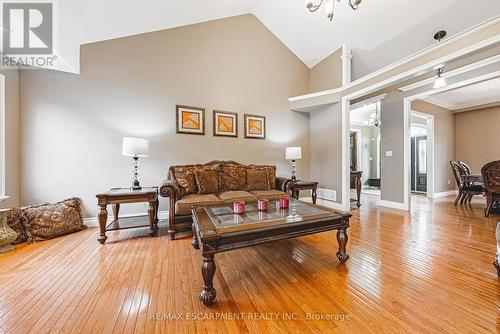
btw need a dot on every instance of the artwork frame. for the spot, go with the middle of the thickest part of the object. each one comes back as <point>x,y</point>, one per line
<point>254,131</point>
<point>220,119</point>
<point>190,120</point>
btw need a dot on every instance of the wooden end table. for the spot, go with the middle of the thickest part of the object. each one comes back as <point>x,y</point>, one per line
<point>305,185</point>
<point>118,196</point>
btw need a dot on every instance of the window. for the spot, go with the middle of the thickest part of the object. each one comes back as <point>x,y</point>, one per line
<point>422,156</point>
<point>418,130</point>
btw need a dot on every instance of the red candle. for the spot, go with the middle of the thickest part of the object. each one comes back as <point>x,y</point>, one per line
<point>262,204</point>
<point>284,202</point>
<point>239,207</point>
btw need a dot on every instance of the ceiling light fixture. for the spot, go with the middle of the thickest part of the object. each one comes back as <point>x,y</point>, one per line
<point>440,81</point>
<point>329,6</point>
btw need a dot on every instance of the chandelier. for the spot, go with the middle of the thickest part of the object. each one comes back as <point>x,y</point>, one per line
<point>374,121</point>
<point>329,6</point>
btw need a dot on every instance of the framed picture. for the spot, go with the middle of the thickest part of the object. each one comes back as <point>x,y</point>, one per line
<point>225,123</point>
<point>190,120</point>
<point>255,126</point>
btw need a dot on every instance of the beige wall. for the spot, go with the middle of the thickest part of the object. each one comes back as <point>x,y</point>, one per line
<point>327,74</point>
<point>444,144</point>
<point>72,125</point>
<point>326,148</point>
<point>477,137</point>
<point>11,138</point>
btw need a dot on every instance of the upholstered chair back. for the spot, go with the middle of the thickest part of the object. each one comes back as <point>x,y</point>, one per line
<point>491,176</point>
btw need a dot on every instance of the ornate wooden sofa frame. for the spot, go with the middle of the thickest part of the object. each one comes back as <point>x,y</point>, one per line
<point>180,203</point>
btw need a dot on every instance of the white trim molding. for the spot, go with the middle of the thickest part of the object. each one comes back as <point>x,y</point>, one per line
<point>94,221</point>
<point>371,100</point>
<point>449,74</point>
<point>445,194</point>
<point>393,205</point>
<point>346,65</point>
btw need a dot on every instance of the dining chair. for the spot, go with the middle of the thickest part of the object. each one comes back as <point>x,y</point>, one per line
<point>465,167</point>
<point>465,190</point>
<point>491,176</point>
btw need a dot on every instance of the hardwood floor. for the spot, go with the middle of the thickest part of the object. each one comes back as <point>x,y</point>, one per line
<point>429,271</point>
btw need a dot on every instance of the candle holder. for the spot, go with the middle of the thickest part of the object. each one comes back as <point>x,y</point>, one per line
<point>262,204</point>
<point>284,202</point>
<point>239,207</point>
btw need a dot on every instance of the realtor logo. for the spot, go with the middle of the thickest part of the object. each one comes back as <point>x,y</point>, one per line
<point>28,28</point>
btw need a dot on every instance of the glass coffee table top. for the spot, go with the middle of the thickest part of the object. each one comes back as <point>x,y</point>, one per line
<point>223,216</point>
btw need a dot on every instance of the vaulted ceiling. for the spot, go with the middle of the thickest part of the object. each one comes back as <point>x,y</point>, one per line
<point>379,32</point>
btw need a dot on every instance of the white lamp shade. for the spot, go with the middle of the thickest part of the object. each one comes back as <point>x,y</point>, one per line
<point>135,147</point>
<point>294,153</point>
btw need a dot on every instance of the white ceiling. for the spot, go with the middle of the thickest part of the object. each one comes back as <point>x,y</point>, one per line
<point>469,96</point>
<point>361,114</point>
<point>379,32</point>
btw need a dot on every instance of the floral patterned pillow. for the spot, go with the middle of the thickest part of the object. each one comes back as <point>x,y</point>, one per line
<point>232,177</point>
<point>48,221</point>
<point>15,219</point>
<point>184,176</point>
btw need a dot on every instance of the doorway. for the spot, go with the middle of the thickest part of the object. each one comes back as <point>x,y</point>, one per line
<point>422,153</point>
<point>419,164</point>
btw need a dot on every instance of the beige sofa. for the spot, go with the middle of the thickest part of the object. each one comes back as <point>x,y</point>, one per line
<point>235,181</point>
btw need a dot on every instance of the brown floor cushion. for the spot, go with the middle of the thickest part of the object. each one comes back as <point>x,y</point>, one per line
<point>183,206</point>
<point>231,196</point>
<point>48,221</point>
<point>269,194</point>
<point>15,221</point>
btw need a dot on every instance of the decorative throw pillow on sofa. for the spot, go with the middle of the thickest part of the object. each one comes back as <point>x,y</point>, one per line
<point>232,177</point>
<point>15,219</point>
<point>184,175</point>
<point>271,173</point>
<point>207,181</point>
<point>257,179</point>
<point>48,221</point>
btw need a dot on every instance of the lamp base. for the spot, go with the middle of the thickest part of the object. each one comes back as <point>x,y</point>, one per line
<point>136,185</point>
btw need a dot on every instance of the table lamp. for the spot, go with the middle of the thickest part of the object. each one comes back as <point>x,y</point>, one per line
<point>135,148</point>
<point>293,153</point>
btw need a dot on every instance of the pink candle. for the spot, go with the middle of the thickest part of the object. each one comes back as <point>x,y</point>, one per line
<point>284,202</point>
<point>239,207</point>
<point>262,204</point>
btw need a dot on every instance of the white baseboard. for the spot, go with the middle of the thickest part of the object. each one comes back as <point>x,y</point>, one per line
<point>325,202</point>
<point>393,205</point>
<point>93,221</point>
<point>445,194</point>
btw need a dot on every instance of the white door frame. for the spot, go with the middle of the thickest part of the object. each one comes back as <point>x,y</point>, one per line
<point>430,150</point>
<point>407,111</point>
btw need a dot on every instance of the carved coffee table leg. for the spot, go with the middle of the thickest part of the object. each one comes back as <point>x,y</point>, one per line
<point>152,218</point>
<point>342,240</point>
<point>194,242</point>
<point>103,219</point>
<point>314,195</point>
<point>116,210</point>
<point>207,295</point>
<point>497,265</point>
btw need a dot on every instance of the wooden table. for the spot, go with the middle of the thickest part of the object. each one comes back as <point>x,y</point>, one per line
<point>297,186</point>
<point>119,196</point>
<point>217,229</point>
<point>356,180</point>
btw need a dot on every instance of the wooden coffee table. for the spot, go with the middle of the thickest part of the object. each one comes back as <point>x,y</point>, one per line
<point>217,229</point>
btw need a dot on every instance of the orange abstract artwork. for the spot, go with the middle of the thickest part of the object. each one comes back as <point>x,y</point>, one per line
<point>225,124</point>
<point>254,126</point>
<point>190,120</point>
